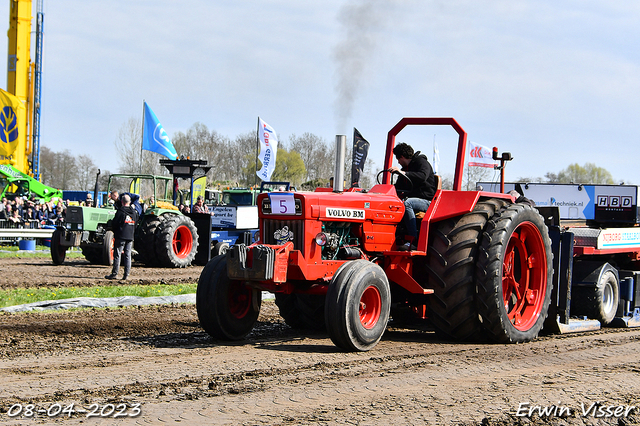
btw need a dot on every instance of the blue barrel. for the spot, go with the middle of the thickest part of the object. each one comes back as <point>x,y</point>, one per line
<point>28,245</point>
<point>47,241</point>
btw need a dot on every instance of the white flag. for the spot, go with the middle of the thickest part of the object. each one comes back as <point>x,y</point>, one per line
<point>480,156</point>
<point>268,150</point>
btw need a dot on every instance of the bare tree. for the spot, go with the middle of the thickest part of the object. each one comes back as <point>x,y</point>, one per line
<point>131,157</point>
<point>474,174</point>
<point>242,156</point>
<point>63,171</point>
<point>200,143</point>
<point>86,176</point>
<point>316,154</point>
<point>47,164</point>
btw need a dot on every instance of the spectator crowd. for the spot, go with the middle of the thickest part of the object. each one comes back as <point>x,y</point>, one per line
<point>31,213</point>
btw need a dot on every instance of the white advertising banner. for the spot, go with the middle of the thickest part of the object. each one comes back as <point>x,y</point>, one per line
<point>480,156</point>
<point>234,217</point>
<point>588,202</point>
<point>268,150</point>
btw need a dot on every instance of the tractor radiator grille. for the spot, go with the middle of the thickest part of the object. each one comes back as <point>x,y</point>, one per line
<point>99,217</point>
<point>295,226</point>
<point>74,214</point>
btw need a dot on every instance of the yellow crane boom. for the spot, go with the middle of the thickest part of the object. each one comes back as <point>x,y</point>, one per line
<point>19,71</point>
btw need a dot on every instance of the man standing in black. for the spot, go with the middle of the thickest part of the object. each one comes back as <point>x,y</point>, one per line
<point>416,186</point>
<point>124,226</point>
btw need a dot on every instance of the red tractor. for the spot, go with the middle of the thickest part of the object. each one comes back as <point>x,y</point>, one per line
<point>482,267</point>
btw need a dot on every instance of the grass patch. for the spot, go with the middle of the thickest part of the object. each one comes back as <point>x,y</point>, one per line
<point>40,252</point>
<point>21,296</point>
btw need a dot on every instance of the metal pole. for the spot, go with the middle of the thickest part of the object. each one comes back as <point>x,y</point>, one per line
<point>255,179</point>
<point>142,139</point>
<point>338,175</point>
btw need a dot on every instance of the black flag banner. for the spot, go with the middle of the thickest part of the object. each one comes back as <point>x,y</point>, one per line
<point>360,151</point>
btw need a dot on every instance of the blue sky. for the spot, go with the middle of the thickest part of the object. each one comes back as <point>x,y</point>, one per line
<point>552,82</point>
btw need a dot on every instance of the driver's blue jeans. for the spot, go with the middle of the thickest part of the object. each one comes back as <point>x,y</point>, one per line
<point>411,206</point>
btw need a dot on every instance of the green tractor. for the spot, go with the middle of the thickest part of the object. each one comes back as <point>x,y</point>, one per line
<point>164,236</point>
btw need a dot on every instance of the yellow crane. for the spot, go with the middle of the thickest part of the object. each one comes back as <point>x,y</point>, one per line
<point>20,116</point>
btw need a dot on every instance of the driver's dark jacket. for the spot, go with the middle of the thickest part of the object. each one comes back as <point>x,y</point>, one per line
<point>423,180</point>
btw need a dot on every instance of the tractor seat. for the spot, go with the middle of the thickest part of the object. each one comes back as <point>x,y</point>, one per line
<point>420,215</point>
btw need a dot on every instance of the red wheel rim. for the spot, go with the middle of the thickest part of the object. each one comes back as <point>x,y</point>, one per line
<point>182,241</point>
<point>524,276</point>
<point>111,245</point>
<point>239,299</point>
<point>370,307</point>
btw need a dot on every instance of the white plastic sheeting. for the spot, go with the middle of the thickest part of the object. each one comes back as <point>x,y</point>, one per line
<point>95,302</point>
<point>108,302</point>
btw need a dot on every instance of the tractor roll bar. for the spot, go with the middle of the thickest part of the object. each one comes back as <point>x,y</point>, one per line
<point>428,121</point>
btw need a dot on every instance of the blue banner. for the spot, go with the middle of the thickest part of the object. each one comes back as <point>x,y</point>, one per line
<point>154,137</point>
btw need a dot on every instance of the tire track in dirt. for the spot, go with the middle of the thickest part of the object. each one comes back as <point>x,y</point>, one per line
<point>429,380</point>
<point>161,358</point>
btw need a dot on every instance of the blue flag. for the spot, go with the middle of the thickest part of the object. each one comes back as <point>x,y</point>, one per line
<point>154,137</point>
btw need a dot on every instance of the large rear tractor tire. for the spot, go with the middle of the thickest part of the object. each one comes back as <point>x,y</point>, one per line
<point>302,311</point>
<point>357,306</point>
<point>451,261</point>
<point>595,292</point>
<point>227,309</point>
<point>58,251</point>
<point>145,240</point>
<point>176,242</point>
<point>107,248</point>
<point>514,275</point>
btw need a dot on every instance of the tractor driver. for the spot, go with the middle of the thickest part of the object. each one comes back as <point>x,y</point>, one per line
<point>115,198</point>
<point>416,186</point>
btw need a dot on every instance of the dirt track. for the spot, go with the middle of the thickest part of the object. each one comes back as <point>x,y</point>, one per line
<point>160,358</point>
<point>36,272</point>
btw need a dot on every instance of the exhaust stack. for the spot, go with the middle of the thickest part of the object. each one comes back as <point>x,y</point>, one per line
<point>338,175</point>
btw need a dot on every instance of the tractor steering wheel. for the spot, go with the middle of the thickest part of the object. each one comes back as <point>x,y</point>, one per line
<point>379,175</point>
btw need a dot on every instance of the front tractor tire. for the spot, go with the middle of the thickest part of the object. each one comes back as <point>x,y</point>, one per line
<point>107,248</point>
<point>514,275</point>
<point>357,306</point>
<point>176,241</point>
<point>227,309</point>
<point>58,251</point>
<point>451,262</point>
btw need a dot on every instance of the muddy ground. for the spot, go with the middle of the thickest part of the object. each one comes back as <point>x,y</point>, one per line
<point>41,272</point>
<point>158,363</point>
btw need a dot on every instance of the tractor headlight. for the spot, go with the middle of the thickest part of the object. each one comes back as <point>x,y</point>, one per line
<point>321,239</point>
<point>79,227</point>
<point>256,236</point>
